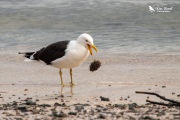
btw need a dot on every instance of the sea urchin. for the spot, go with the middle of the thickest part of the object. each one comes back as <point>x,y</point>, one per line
<point>94,65</point>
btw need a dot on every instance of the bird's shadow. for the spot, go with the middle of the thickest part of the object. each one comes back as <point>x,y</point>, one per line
<point>71,92</point>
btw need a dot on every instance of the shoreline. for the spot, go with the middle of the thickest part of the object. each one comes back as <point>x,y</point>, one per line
<point>117,79</point>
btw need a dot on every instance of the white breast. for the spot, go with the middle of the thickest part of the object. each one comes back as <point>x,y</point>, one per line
<point>75,55</point>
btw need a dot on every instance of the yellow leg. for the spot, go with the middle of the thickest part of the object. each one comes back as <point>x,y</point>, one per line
<point>60,73</point>
<point>72,83</point>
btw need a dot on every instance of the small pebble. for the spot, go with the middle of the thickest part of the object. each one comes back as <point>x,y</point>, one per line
<point>5,112</point>
<point>57,104</point>
<point>61,95</point>
<point>61,114</point>
<point>35,111</point>
<point>98,110</point>
<point>105,109</point>
<point>29,102</point>
<point>102,116</point>
<point>22,108</point>
<point>18,118</point>
<point>104,99</point>
<point>118,116</point>
<point>72,113</point>
<point>79,108</point>
<point>91,112</point>
<point>55,113</point>
<point>44,105</point>
<point>121,98</point>
<point>84,111</point>
<point>63,104</point>
<point>120,106</point>
<point>25,89</point>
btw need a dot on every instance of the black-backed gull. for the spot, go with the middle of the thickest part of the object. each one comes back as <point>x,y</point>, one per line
<point>65,54</point>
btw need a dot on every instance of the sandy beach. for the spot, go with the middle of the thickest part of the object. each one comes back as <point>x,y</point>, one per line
<point>138,45</point>
<point>117,79</point>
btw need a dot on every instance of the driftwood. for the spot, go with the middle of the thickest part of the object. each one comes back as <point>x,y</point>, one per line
<point>172,102</point>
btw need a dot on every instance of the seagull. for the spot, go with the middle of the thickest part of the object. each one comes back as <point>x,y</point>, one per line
<point>64,54</point>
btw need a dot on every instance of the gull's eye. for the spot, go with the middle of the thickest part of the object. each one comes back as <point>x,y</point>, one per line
<point>86,40</point>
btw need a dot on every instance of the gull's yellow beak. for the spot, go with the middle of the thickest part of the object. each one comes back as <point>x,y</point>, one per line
<point>90,48</point>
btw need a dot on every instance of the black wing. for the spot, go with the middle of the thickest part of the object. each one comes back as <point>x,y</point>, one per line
<point>51,52</point>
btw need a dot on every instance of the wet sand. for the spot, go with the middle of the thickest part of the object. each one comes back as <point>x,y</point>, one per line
<point>117,79</point>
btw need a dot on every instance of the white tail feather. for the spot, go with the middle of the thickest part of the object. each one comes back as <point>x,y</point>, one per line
<point>29,60</point>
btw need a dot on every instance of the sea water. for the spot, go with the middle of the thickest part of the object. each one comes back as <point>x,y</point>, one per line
<point>119,26</point>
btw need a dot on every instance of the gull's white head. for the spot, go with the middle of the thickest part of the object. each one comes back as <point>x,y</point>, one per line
<point>87,41</point>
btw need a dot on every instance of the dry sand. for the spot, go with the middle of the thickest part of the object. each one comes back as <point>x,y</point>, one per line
<point>117,79</point>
